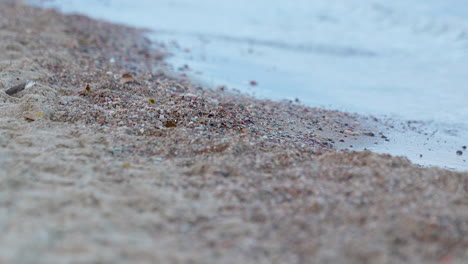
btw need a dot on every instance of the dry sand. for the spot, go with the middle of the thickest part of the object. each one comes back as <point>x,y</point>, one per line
<point>145,168</point>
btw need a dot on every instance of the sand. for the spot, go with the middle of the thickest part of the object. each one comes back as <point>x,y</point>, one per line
<point>112,158</point>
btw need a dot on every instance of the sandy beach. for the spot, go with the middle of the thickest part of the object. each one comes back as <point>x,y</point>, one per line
<point>107,156</point>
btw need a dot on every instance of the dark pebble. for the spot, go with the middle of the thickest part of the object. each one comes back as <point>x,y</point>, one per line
<point>16,89</point>
<point>459,152</point>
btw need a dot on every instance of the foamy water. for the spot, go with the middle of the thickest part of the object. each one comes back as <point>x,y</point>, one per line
<point>405,59</point>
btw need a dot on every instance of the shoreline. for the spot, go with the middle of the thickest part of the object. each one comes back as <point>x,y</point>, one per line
<point>107,158</point>
<point>425,143</point>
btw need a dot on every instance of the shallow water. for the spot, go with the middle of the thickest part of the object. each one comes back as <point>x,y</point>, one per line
<point>405,60</point>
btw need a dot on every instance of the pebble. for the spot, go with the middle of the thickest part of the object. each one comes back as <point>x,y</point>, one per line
<point>352,133</point>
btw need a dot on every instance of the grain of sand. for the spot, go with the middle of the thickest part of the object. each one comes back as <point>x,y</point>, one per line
<point>109,159</point>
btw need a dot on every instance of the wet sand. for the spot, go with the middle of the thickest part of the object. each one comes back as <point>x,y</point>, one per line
<point>111,158</point>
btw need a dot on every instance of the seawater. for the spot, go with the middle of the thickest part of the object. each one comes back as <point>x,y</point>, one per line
<point>402,59</point>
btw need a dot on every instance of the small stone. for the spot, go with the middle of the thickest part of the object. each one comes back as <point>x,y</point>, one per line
<point>126,78</point>
<point>459,152</point>
<point>170,124</point>
<point>16,89</point>
<point>351,133</point>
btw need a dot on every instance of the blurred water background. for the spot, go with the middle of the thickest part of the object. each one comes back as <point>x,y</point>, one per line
<point>407,60</point>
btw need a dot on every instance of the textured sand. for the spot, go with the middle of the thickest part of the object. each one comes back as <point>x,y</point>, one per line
<point>145,168</point>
